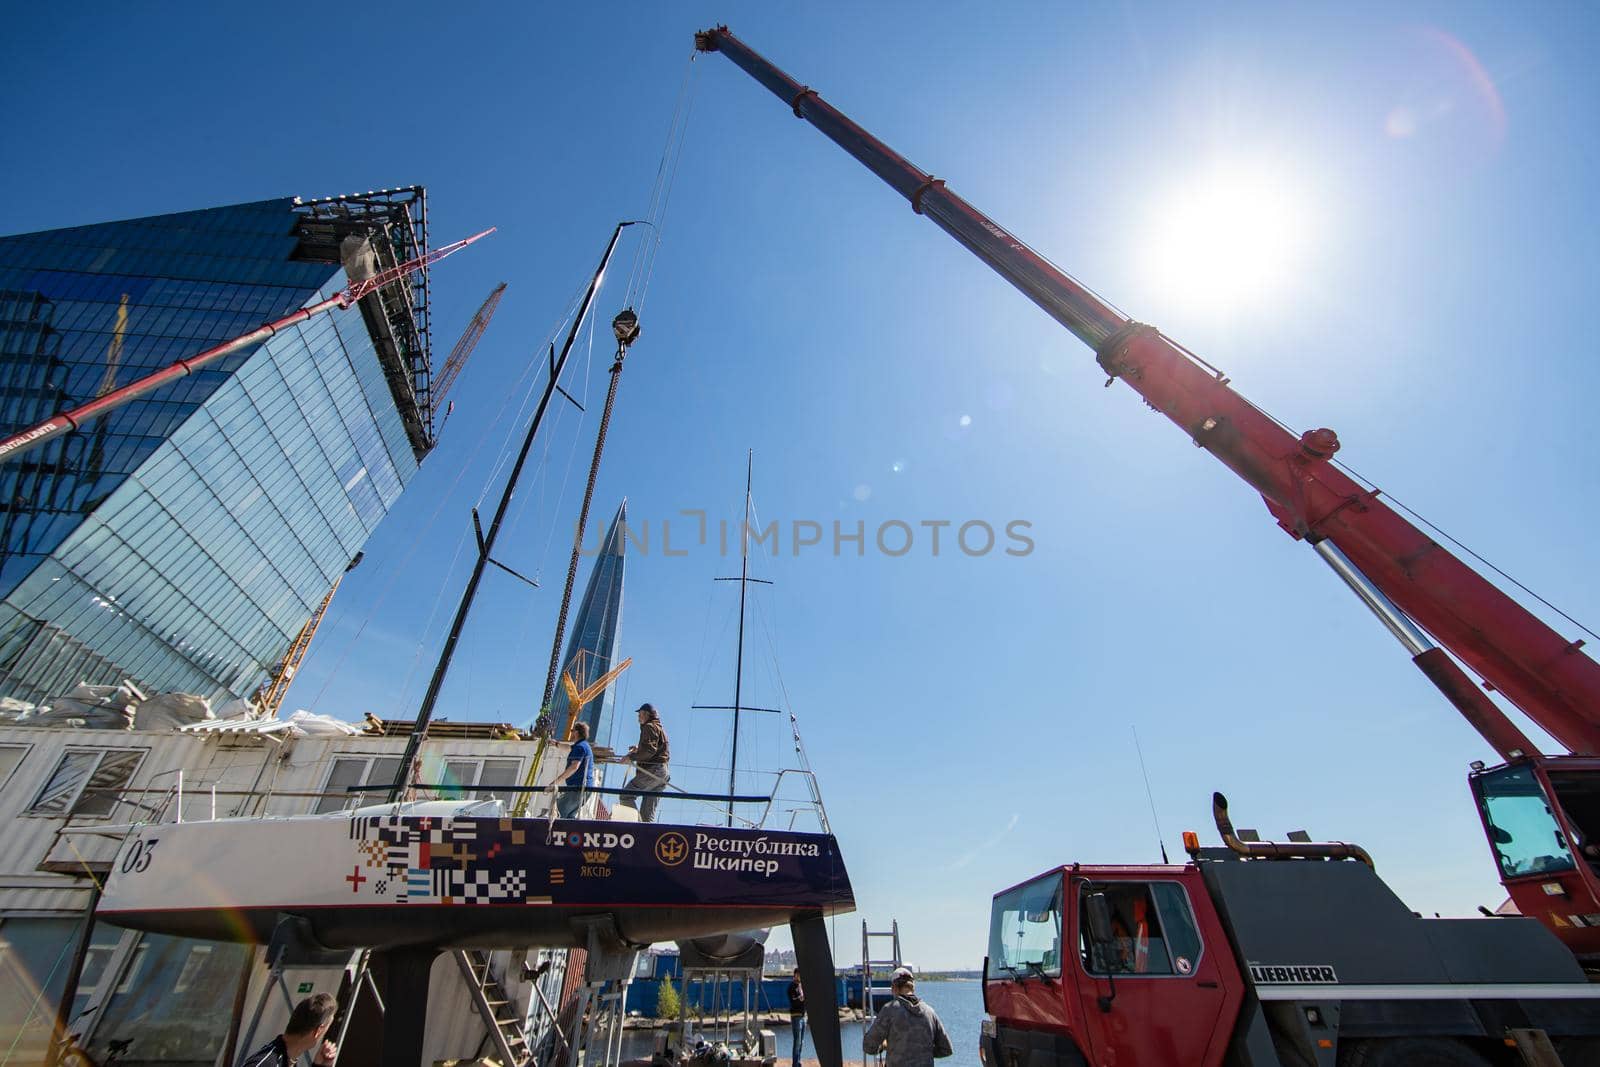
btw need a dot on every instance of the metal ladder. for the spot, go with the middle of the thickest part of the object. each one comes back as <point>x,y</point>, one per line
<point>499,1011</point>
<point>869,964</point>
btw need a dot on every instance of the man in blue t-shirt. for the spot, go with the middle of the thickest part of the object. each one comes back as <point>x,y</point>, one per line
<point>575,779</point>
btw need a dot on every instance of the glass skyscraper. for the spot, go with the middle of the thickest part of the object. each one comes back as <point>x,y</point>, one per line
<point>593,644</point>
<point>182,541</point>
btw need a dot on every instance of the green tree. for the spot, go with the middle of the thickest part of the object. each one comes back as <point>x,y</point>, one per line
<point>667,1005</point>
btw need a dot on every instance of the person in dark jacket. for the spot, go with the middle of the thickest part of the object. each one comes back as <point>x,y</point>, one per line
<point>909,1027</point>
<point>797,1016</point>
<point>649,758</point>
<point>308,1025</point>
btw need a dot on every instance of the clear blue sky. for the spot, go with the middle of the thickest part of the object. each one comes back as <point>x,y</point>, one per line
<point>1411,264</point>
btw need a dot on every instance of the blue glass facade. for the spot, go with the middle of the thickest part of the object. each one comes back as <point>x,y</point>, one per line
<point>182,540</point>
<point>593,644</point>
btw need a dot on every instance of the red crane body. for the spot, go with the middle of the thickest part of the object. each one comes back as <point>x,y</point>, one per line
<point>1389,562</point>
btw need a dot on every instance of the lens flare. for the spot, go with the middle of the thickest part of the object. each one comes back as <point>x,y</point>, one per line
<point>1229,235</point>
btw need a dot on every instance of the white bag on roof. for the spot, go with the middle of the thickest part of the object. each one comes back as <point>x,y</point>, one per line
<point>314,725</point>
<point>92,707</point>
<point>171,711</point>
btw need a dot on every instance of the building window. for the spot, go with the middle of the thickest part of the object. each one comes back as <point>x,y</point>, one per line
<point>198,957</point>
<point>10,757</point>
<point>352,771</point>
<point>87,782</point>
<point>479,779</point>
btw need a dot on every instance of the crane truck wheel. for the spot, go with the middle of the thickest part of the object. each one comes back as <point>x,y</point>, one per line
<point>1411,1052</point>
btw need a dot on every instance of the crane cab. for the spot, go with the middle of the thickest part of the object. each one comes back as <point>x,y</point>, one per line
<point>1541,816</point>
<point>1156,977</point>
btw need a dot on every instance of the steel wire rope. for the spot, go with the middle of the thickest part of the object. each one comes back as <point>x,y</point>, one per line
<point>525,383</point>
<point>566,477</point>
<point>416,543</point>
<point>794,720</point>
<point>726,748</point>
<point>708,651</point>
<point>515,423</point>
<point>783,688</point>
<point>536,476</point>
<point>661,193</point>
<point>572,452</point>
<point>1396,501</point>
<point>426,633</point>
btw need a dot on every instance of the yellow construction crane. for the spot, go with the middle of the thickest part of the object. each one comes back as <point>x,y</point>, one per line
<point>108,382</point>
<point>576,699</point>
<point>270,696</point>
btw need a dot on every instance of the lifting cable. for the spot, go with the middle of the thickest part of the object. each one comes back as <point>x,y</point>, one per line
<point>644,261</point>
<point>626,329</point>
<point>1400,505</point>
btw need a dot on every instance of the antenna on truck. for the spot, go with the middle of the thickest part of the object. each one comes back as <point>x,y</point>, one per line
<point>1154,818</point>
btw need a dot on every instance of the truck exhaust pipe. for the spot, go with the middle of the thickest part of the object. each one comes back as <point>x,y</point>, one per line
<point>1275,850</point>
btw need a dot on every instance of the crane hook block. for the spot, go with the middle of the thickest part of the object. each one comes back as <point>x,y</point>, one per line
<point>626,327</point>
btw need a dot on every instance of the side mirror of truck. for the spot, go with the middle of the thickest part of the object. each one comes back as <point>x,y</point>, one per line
<point>1098,909</point>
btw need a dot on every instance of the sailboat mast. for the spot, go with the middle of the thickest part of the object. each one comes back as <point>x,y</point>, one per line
<point>626,328</point>
<point>486,540</point>
<point>738,659</point>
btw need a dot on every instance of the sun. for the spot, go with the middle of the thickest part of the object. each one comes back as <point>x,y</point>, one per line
<point>1228,237</point>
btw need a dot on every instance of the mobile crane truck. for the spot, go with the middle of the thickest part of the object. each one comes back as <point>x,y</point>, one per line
<point>1297,953</point>
<point>1292,953</point>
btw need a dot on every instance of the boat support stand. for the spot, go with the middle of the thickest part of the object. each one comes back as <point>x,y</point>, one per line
<point>610,959</point>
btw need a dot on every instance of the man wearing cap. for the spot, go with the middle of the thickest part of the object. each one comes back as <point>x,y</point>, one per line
<point>649,758</point>
<point>909,1027</point>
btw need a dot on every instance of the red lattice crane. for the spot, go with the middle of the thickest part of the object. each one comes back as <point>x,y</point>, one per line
<point>469,340</point>
<point>66,421</point>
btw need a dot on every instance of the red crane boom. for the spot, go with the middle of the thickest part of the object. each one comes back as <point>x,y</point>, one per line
<point>1537,669</point>
<point>1549,852</point>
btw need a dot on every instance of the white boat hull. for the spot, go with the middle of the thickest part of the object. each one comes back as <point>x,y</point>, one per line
<point>376,879</point>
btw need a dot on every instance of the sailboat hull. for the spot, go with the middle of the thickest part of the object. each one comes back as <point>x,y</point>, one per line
<point>390,880</point>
